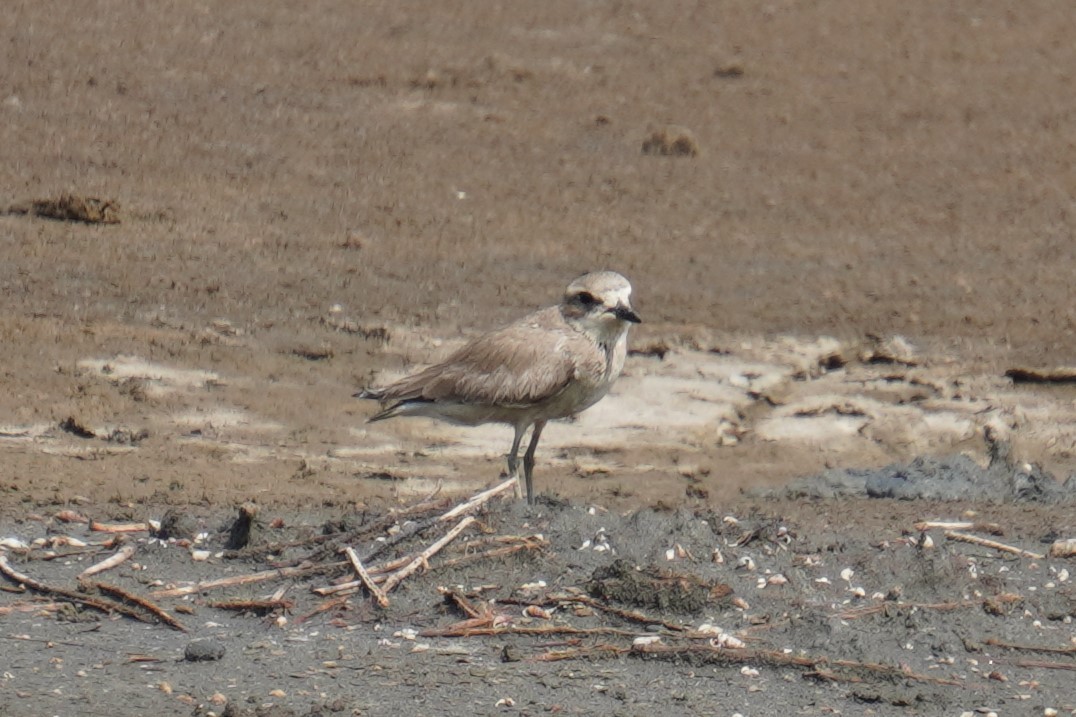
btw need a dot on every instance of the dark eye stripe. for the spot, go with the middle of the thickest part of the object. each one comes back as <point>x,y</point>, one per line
<point>586,298</point>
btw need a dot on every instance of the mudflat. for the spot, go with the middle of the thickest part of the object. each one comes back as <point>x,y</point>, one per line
<point>849,232</point>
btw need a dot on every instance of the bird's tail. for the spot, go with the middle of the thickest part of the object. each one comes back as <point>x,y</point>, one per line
<point>373,393</point>
<point>376,394</point>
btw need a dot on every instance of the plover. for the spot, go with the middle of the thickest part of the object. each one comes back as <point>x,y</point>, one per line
<point>552,364</point>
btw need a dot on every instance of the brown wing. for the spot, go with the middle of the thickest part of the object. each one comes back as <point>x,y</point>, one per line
<point>524,363</point>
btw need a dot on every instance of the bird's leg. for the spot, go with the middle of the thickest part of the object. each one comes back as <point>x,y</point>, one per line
<point>513,463</point>
<point>528,460</point>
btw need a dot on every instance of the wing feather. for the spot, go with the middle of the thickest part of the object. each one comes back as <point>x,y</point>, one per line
<point>527,362</point>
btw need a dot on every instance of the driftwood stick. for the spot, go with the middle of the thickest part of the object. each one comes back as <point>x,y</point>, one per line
<point>465,605</point>
<point>98,527</point>
<point>325,606</point>
<point>376,571</point>
<point>1030,648</point>
<point>281,573</point>
<point>115,559</point>
<point>583,652</point>
<point>1043,665</point>
<point>780,659</point>
<point>532,543</point>
<point>422,558</point>
<point>619,612</point>
<point>105,606</point>
<point>30,607</point>
<point>141,602</point>
<point>367,579</point>
<point>467,628</point>
<point>258,606</point>
<point>991,528</point>
<point>479,499</point>
<point>882,607</point>
<point>976,540</point>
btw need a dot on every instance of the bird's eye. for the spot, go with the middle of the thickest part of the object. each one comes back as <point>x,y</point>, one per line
<point>586,298</point>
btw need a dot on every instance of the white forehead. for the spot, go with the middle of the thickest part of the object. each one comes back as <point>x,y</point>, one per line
<point>608,286</point>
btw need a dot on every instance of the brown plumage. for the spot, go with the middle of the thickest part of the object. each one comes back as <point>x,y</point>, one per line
<point>552,364</point>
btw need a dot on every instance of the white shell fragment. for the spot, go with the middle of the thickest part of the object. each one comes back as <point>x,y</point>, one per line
<point>14,544</point>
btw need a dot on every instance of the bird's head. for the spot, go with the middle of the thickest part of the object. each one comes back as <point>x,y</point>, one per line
<point>599,303</point>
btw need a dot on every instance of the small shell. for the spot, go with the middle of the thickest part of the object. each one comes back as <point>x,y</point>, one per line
<point>200,555</point>
<point>846,574</point>
<point>646,640</point>
<point>538,612</point>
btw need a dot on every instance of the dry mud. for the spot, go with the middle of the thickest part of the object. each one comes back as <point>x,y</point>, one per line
<point>848,226</point>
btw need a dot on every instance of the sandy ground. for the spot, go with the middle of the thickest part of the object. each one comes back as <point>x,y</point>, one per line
<point>869,232</point>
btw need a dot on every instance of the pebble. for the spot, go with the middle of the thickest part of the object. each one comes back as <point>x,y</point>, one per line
<point>203,649</point>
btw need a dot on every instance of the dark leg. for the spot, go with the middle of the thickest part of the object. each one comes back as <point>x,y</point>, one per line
<point>528,460</point>
<point>513,462</point>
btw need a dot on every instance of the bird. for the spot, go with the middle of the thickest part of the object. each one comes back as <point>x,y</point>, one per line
<point>551,364</point>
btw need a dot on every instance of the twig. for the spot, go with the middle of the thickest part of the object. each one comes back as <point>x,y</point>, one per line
<point>464,630</point>
<point>367,579</point>
<point>479,499</point>
<point>464,604</point>
<point>1041,664</point>
<point>619,612</point>
<point>105,606</point>
<point>258,606</point>
<point>1030,648</point>
<point>263,576</point>
<point>119,527</point>
<point>352,586</point>
<point>141,602</point>
<point>421,559</point>
<point>591,602</point>
<point>45,641</point>
<point>30,607</point>
<point>325,606</point>
<point>882,607</point>
<point>976,540</point>
<point>531,543</point>
<point>587,652</point>
<point>991,528</point>
<point>780,659</point>
<point>118,557</point>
